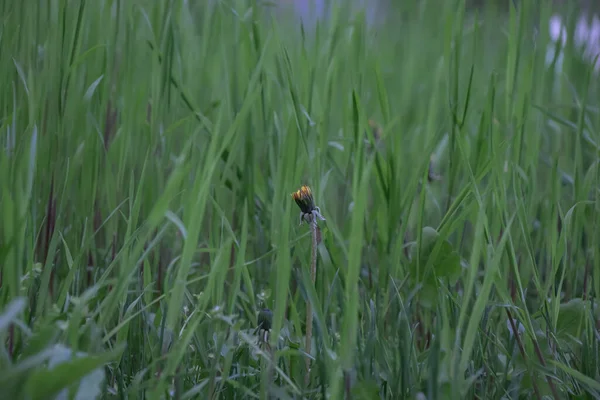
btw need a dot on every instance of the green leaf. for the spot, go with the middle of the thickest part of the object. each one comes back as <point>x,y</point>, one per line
<point>590,383</point>
<point>64,370</point>
<point>11,313</point>
<point>366,390</point>
<point>439,262</point>
<point>571,317</point>
<point>41,339</point>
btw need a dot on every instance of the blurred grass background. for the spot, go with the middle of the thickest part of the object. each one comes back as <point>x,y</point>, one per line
<point>148,153</point>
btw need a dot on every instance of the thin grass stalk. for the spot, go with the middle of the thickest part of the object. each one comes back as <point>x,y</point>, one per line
<point>313,277</point>
<point>309,213</point>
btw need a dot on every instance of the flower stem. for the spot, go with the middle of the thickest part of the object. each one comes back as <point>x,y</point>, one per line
<point>313,277</point>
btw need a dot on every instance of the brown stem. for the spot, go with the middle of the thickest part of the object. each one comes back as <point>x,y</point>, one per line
<point>113,254</point>
<point>313,277</point>
<point>585,278</point>
<point>521,349</point>
<point>50,225</point>
<point>538,352</point>
<point>347,385</point>
<point>11,339</point>
<point>90,267</point>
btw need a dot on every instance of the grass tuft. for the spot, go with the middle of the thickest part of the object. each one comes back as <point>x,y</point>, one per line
<point>149,247</point>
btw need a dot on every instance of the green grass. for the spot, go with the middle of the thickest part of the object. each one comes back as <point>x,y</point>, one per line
<point>148,154</point>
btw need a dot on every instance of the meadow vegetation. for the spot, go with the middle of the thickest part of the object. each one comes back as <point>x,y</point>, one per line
<point>150,246</point>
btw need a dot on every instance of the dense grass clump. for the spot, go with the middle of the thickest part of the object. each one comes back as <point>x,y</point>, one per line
<point>150,247</point>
